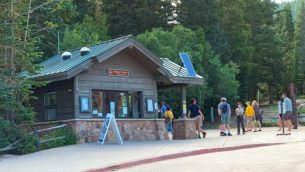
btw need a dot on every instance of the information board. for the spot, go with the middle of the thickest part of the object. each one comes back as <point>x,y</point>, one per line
<point>110,122</point>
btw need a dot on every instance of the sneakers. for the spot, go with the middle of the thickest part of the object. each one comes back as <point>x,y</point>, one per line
<point>222,134</point>
<point>229,134</point>
<point>199,136</point>
<point>238,133</point>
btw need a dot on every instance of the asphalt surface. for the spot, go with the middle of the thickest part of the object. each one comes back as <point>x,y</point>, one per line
<point>288,156</point>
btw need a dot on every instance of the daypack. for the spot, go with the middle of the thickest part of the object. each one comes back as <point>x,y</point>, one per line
<point>224,108</point>
<point>167,118</point>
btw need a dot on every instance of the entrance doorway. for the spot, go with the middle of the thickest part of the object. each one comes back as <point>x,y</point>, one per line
<point>124,104</point>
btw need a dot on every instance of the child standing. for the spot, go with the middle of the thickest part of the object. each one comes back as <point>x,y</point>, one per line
<point>250,113</point>
<point>240,118</point>
<point>168,120</point>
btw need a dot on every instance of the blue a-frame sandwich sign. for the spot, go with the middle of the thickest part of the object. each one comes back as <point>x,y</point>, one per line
<point>110,122</point>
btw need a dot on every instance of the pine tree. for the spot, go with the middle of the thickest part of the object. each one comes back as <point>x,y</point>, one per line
<point>205,14</point>
<point>136,16</point>
<point>238,34</point>
<point>300,50</point>
<point>267,63</point>
<point>285,26</point>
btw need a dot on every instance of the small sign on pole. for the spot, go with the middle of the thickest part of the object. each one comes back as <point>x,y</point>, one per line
<point>110,122</point>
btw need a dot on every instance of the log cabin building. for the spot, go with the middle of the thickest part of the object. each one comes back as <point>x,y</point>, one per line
<point>119,76</point>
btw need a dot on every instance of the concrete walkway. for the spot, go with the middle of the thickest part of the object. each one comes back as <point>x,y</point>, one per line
<point>93,156</point>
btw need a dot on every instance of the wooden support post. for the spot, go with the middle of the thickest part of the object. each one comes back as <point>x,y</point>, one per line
<point>183,103</point>
<point>37,137</point>
<point>292,96</point>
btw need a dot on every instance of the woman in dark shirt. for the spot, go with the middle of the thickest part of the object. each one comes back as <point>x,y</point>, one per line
<point>257,114</point>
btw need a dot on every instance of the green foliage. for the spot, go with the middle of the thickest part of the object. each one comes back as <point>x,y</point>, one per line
<point>83,34</point>
<point>205,14</point>
<point>285,27</point>
<point>301,97</point>
<point>295,7</point>
<point>28,145</point>
<point>136,16</point>
<point>301,110</point>
<point>219,79</point>
<point>300,50</point>
<point>68,140</point>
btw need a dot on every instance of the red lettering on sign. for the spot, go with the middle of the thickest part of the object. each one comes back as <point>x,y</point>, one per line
<point>118,72</point>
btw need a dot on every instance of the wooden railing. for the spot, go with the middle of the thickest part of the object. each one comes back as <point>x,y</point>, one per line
<point>35,132</point>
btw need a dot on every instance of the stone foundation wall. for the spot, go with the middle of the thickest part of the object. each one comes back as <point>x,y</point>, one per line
<point>88,130</point>
<point>135,130</point>
<point>185,129</point>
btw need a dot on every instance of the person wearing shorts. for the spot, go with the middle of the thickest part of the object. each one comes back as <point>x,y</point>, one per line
<point>250,113</point>
<point>257,114</point>
<point>221,126</point>
<point>224,111</point>
<point>288,115</point>
<point>195,113</point>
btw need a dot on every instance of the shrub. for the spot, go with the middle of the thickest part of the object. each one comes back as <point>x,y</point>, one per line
<point>68,140</point>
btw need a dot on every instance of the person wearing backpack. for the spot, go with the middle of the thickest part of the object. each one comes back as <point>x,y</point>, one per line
<point>224,110</point>
<point>168,115</point>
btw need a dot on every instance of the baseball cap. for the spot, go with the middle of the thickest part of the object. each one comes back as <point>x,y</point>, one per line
<point>224,99</point>
<point>247,102</point>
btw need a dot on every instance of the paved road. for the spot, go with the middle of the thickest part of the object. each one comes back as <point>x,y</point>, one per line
<point>92,156</point>
<point>281,158</point>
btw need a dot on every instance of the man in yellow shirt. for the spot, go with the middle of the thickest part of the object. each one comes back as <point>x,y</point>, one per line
<point>169,119</point>
<point>250,113</point>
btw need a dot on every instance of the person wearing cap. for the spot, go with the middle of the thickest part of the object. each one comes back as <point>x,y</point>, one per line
<point>195,112</point>
<point>224,110</point>
<point>250,113</point>
<point>221,126</point>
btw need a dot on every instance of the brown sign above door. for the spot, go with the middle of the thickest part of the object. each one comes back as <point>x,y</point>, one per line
<point>118,72</point>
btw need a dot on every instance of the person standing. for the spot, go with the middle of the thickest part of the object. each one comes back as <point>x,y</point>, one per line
<point>288,115</point>
<point>257,114</point>
<point>168,115</point>
<point>163,109</point>
<point>195,112</point>
<point>221,126</point>
<point>240,118</point>
<point>250,113</point>
<point>224,110</point>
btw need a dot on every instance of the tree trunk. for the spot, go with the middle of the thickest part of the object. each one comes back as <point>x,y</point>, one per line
<point>292,96</point>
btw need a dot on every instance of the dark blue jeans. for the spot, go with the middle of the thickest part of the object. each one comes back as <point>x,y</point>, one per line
<point>169,125</point>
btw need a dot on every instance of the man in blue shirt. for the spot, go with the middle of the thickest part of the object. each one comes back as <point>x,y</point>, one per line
<point>163,108</point>
<point>224,111</point>
<point>195,112</point>
<point>288,115</point>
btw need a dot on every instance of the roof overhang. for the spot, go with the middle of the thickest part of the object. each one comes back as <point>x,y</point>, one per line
<point>131,43</point>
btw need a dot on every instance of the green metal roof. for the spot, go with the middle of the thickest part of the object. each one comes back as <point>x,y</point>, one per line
<point>56,64</point>
<point>175,69</point>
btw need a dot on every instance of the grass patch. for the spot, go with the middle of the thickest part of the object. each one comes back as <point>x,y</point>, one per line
<point>273,108</point>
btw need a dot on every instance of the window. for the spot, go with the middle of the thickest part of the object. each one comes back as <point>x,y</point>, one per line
<point>50,106</point>
<point>123,104</point>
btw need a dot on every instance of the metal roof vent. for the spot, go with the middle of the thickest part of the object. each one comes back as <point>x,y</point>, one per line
<point>84,51</point>
<point>66,55</point>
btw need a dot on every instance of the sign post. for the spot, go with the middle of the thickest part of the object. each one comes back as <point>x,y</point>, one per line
<point>110,122</point>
